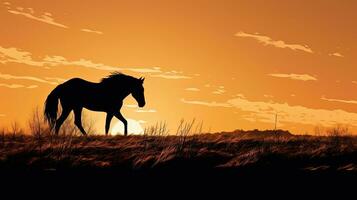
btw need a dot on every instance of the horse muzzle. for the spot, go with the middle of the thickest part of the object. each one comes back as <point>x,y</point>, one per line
<point>141,105</point>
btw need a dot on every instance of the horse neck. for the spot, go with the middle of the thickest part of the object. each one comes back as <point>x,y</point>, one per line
<point>119,92</point>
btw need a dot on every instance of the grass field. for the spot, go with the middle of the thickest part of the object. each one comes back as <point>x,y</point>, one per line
<point>238,150</point>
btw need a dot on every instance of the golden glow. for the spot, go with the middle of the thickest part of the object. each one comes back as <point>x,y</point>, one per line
<point>234,64</point>
<point>134,128</point>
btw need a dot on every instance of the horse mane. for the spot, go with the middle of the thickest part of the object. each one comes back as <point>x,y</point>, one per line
<point>118,77</point>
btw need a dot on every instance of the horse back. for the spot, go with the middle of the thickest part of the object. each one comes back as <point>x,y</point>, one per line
<point>76,87</point>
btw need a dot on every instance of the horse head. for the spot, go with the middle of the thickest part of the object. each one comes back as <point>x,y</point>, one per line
<point>138,92</point>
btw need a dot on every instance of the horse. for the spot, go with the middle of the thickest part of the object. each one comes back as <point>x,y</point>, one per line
<point>105,96</point>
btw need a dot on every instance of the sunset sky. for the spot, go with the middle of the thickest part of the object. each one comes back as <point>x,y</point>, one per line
<point>232,64</point>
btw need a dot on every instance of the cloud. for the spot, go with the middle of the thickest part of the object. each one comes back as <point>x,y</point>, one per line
<point>146,111</point>
<point>2,115</point>
<point>131,105</point>
<point>29,13</point>
<point>140,110</point>
<point>142,70</point>
<point>336,54</point>
<point>30,78</point>
<point>339,100</point>
<point>268,96</point>
<point>16,86</point>
<point>301,77</point>
<point>13,86</point>
<point>210,104</point>
<point>60,60</point>
<point>92,31</point>
<point>171,76</point>
<point>14,55</point>
<point>58,80</point>
<point>192,89</point>
<point>265,112</point>
<point>276,43</point>
<point>240,96</point>
<point>219,91</point>
<point>294,114</point>
<point>32,86</point>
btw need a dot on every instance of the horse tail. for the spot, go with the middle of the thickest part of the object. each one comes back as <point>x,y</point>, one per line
<point>51,107</point>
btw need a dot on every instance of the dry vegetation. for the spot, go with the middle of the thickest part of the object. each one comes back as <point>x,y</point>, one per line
<point>188,149</point>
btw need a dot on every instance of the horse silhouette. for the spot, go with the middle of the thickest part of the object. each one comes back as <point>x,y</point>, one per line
<point>105,96</point>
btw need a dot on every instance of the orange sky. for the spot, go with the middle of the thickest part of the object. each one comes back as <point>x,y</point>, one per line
<point>232,64</point>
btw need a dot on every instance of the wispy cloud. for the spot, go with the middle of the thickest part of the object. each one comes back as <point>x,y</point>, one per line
<point>276,43</point>
<point>240,95</point>
<point>130,105</point>
<point>301,77</point>
<point>13,86</point>
<point>336,54</point>
<point>294,114</point>
<point>30,78</point>
<point>171,76</point>
<point>91,31</point>
<point>146,111</point>
<point>219,91</point>
<point>268,96</point>
<point>2,115</point>
<point>265,112</point>
<point>14,55</point>
<point>56,79</point>
<point>204,103</point>
<point>30,14</point>
<point>32,86</point>
<point>192,89</point>
<point>59,60</point>
<point>339,100</point>
<point>139,110</point>
<point>16,86</point>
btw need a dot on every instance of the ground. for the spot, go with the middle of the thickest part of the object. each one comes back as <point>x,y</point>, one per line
<point>237,151</point>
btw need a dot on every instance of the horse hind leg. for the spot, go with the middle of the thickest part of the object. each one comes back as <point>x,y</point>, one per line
<point>61,119</point>
<point>78,120</point>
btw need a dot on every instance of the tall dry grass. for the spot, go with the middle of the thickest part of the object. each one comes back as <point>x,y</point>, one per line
<point>187,145</point>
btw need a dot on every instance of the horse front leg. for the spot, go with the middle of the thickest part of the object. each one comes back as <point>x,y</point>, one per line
<point>121,118</point>
<point>107,122</point>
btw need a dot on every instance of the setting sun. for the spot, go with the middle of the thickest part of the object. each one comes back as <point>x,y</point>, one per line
<point>134,128</point>
<point>233,64</point>
<point>186,87</point>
